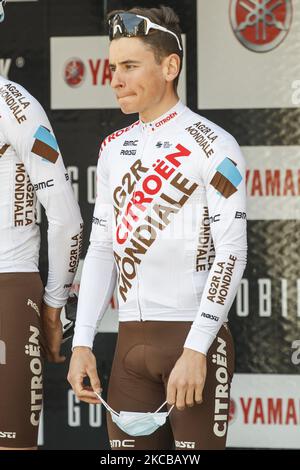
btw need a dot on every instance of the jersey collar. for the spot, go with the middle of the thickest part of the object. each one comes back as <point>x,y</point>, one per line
<point>165,119</point>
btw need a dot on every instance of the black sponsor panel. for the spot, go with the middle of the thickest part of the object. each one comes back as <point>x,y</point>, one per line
<point>266,324</point>
<point>24,46</point>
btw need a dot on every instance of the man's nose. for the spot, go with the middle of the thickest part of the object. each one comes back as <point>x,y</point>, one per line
<point>117,80</point>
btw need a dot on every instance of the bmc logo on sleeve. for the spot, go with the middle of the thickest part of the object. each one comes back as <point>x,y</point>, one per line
<point>125,443</point>
<point>227,178</point>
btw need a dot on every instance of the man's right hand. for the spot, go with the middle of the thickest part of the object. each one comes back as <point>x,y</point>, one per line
<point>83,364</point>
<point>52,332</point>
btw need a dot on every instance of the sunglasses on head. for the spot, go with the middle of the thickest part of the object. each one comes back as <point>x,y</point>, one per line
<point>130,25</point>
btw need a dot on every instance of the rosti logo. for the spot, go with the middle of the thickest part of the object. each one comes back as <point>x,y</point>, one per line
<point>209,316</point>
<point>8,435</point>
<point>74,73</point>
<point>185,445</point>
<point>261,26</point>
<point>97,70</point>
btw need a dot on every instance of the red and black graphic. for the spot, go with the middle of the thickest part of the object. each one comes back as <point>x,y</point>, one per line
<point>45,145</point>
<point>261,25</point>
<point>74,73</point>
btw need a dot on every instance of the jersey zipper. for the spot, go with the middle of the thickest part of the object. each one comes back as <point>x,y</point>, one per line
<point>148,137</point>
<point>137,278</point>
<point>138,293</point>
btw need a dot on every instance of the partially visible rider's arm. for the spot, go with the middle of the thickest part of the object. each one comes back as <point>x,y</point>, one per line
<point>37,148</point>
<point>224,178</point>
<point>98,281</point>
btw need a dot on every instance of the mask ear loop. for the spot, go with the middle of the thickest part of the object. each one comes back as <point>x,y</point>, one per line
<point>164,403</point>
<point>106,404</point>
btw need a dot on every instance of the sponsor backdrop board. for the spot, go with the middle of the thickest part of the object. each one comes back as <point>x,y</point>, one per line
<point>80,74</point>
<point>252,58</point>
<point>242,72</point>
<point>265,411</point>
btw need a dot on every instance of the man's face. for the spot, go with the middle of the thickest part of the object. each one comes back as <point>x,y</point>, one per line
<point>138,80</point>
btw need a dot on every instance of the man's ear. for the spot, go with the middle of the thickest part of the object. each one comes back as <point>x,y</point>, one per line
<point>171,67</point>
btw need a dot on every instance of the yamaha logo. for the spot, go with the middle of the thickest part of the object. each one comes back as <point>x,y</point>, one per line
<point>261,25</point>
<point>74,72</point>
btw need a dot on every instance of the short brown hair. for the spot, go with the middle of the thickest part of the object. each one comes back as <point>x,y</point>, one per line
<point>162,44</point>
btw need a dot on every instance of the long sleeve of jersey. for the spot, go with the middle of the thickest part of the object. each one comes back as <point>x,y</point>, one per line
<point>224,180</point>
<point>37,148</point>
<point>99,275</point>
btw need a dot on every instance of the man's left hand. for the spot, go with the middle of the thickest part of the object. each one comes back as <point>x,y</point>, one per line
<point>187,379</point>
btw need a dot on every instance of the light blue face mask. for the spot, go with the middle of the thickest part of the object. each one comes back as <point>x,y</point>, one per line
<point>136,423</point>
<point>2,3</point>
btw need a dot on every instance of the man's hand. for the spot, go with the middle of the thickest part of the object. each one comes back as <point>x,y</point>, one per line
<point>83,364</point>
<point>52,332</point>
<point>187,379</point>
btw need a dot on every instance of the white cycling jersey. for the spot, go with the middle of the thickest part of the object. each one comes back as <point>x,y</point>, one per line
<point>169,226</point>
<point>31,168</point>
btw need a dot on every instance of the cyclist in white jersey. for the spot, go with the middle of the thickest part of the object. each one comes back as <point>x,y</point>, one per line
<point>169,229</point>
<point>31,170</point>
